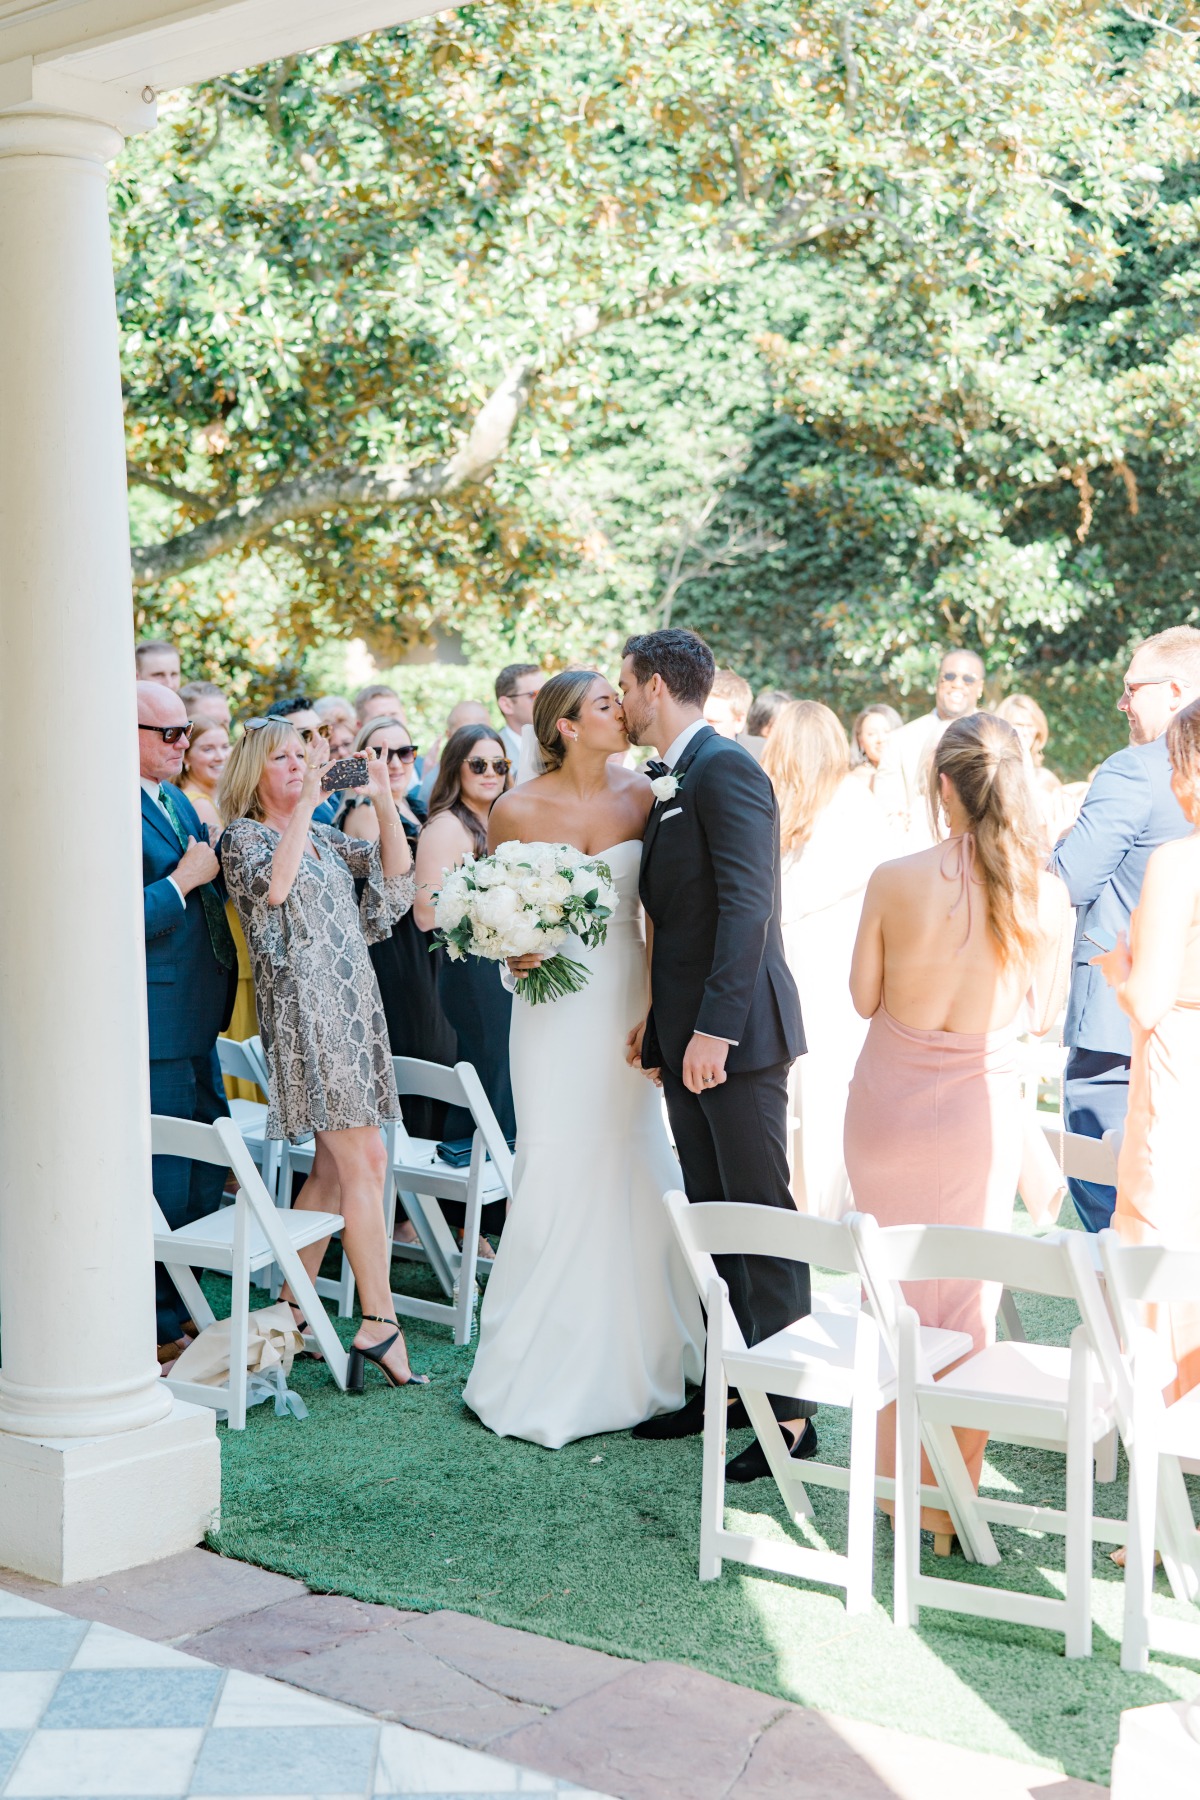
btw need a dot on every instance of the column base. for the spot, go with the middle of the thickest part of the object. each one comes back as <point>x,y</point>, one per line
<point>72,1509</point>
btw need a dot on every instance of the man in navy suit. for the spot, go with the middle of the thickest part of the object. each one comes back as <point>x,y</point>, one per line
<point>1129,811</point>
<point>191,970</point>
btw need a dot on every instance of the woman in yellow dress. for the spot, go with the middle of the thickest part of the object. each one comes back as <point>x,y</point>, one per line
<point>206,755</point>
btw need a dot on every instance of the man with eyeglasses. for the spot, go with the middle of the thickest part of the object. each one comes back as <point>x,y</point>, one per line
<point>191,975</point>
<point>517,687</point>
<point>902,779</point>
<point>1128,812</point>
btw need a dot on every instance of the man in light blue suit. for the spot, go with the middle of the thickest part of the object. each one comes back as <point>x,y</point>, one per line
<point>191,971</point>
<point>1129,811</point>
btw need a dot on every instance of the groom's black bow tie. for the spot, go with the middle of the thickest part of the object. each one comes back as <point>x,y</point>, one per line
<point>654,769</point>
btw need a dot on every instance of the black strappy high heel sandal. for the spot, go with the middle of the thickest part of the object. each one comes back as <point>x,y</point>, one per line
<point>303,1327</point>
<point>361,1354</point>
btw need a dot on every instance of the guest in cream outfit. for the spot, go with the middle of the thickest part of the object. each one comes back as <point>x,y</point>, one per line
<point>902,779</point>
<point>833,837</point>
<point>955,943</point>
<point>1157,982</point>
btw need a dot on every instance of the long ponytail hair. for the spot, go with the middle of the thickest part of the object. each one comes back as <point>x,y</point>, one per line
<point>981,755</point>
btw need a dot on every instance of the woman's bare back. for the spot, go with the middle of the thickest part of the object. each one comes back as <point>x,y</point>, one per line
<point>927,952</point>
<point>551,809</point>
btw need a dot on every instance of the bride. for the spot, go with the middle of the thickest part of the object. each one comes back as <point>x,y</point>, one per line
<point>590,1321</point>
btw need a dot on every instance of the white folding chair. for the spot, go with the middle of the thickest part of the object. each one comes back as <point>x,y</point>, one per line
<point>1156,1436</point>
<point>238,1060</point>
<point>237,1240</point>
<point>1020,1393</point>
<point>832,1357</point>
<point>420,1177</point>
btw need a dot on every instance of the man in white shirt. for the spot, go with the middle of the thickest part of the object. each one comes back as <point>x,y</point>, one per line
<point>902,779</point>
<point>517,687</point>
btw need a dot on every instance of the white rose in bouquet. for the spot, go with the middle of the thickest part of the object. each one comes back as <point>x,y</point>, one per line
<point>524,901</point>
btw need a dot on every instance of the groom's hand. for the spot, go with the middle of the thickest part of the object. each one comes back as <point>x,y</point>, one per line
<point>704,1063</point>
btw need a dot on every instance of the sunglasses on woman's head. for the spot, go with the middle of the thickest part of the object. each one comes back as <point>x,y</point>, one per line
<point>170,734</point>
<point>479,765</point>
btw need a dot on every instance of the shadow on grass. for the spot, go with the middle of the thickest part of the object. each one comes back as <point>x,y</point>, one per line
<point>403,1498</point>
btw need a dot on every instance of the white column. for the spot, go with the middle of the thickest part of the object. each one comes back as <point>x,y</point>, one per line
<point>98,1469</point>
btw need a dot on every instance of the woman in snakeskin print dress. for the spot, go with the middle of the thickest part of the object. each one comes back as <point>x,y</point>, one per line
<point>319,1010</point>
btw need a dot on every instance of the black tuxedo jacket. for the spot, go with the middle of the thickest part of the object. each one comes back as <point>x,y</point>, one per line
<point>710,884</point>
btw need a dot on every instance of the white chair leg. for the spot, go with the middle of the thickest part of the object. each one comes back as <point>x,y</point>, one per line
<point>1013,1328</point>
<point>860,1521</point>
<point>860,1524</point>
<point>716,1418</point>
<point>239,1316</point>
<point>464,1303</point>
<point>1079,1499</point>
<point>1106,1457</point>
<point>345,1294</point>
<point>1139,1545</point>
<point>907,1499</point>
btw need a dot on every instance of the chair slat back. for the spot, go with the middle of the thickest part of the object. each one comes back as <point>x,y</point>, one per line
<point>236,1062</point>
<point>969,1253</point>
<point>724,1228</point>
<point>1149,1273</point>
<point>253,1047</point>
<point>187,1137</point>
<point>459,1086</point>
<point>1082,1158</point>
<point>429,1081</point>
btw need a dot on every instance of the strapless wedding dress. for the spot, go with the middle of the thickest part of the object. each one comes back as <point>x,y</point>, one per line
<point>590,1321</point>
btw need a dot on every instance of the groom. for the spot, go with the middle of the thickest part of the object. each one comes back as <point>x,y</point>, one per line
<point>724,1023</point>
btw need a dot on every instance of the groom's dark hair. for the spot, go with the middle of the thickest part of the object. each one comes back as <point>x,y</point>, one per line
<point>685,662</point>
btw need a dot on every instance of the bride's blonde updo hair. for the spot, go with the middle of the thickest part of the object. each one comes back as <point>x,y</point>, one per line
<point>561,697</point>
<point>981,755</point>
<point>1183,748</point>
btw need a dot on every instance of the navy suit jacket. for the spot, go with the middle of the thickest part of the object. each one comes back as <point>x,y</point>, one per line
<point>1129,811</point>
<point>189,995</point>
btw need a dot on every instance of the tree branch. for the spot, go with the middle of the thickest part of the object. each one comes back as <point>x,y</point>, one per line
<point>306,496</point>
<point>162,485</point>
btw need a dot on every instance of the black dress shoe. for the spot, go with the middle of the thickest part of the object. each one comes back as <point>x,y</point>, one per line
<point>752,1464</point>
<point>687,1422</point>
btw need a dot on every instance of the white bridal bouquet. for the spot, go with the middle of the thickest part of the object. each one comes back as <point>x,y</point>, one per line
<point>523,901</point>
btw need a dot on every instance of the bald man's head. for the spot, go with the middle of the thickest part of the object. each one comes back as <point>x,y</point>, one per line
<point>159,707</point>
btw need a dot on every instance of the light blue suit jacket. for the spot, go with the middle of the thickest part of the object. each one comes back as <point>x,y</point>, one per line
<point>1129,811</point>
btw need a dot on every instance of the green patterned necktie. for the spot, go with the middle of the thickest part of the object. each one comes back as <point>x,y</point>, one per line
<point>224,948</point>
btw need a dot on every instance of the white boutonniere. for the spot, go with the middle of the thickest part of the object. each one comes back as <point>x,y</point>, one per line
<point>665,787</point>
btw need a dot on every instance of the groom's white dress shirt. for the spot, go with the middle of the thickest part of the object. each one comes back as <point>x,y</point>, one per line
<point>672,756</point>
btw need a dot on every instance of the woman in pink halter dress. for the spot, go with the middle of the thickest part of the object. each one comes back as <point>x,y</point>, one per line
<point>954,942</point>
<point>1157,982</point>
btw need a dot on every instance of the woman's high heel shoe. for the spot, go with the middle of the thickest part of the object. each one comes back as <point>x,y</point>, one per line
<point>361,1354</point>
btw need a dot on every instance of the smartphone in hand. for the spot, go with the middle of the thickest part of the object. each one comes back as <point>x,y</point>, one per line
<point>347,772</point>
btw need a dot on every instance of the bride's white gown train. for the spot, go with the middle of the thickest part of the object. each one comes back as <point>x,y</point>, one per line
<point>590,1321</point>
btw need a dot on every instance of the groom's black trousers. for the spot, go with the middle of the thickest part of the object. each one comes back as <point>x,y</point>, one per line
<point>732,1145</point>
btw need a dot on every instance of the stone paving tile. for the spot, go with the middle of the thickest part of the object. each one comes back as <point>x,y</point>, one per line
<point>536,1670</point>
<point>275,1636</point>
<point>657,1732</point>
<point>168,1599</point>
<point>387,1674</point>
<point>808,1755</point>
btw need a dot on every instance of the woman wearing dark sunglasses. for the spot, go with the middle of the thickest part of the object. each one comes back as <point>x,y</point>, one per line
<point>406,971</point>
<point>473,773</point>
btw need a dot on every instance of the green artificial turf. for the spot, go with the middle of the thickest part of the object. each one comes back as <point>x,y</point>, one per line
<point>402,1497</point>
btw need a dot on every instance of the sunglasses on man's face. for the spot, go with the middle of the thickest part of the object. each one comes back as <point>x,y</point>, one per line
<point>952,676</point>
<point>170,734</point>
<point>479,765</point>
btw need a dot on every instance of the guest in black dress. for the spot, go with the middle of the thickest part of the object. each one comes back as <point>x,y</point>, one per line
<point>405,966</point>
<point>473,773</point>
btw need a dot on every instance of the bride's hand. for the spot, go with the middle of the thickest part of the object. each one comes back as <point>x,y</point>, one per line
<point>521,965</point>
